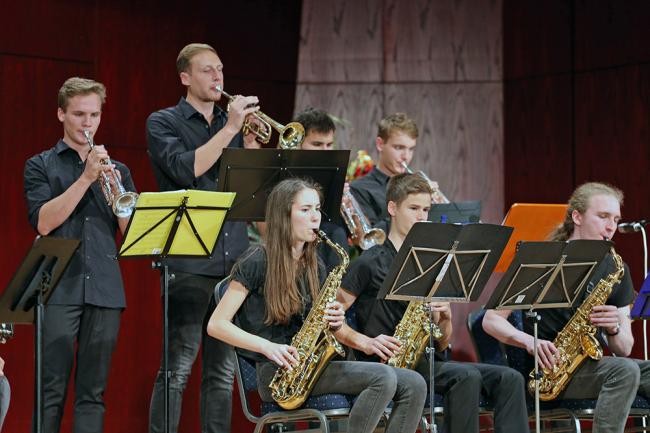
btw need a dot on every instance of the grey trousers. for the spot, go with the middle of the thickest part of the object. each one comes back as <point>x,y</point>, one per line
<point>93,330</point>
<point>190,304</point>
<point>614,382</point>
<point>5,398</point>
<point>462,384</point>
<point>374,384</point>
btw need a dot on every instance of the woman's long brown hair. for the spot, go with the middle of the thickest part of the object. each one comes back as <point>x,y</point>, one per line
<point>281,290</point>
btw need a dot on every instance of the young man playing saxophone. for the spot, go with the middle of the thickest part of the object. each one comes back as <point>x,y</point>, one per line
<point>408,201</point>
<point>593,213</point>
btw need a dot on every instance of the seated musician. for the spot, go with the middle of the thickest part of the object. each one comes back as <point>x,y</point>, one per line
<point>593,213</point>
<point>408,201</point>
<point>271,292</point>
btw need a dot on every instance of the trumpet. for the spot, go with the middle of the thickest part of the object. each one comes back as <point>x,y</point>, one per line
<point>6,332</point>
<point>438,197</point>
<point>120,200</point>
<point>357,222</point>
<point>291,135</point>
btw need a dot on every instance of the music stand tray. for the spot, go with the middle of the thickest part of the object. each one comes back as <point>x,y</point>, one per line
<point>641,307</point>
<point>29,289</point>
<point>443,262</point>
<point>252,174</point>
<point>547,275</point>
<point>166,224</point>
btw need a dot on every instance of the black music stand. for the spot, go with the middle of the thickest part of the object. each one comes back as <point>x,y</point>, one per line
<point>30,288</point>
<point>547,275</point>
<point>443,262</point>
<point>174,224</point>
<point>252,174</point>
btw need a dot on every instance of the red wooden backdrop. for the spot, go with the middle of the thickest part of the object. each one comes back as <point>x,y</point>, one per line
<point>131,46</point>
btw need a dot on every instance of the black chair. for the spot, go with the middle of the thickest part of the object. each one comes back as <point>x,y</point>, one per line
<point>490,350</point>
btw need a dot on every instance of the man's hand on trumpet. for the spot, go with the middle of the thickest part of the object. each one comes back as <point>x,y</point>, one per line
<point>239,108</point>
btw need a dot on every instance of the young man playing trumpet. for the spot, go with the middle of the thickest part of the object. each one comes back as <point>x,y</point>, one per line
<point>82,317</point>
<point>408,201</point>
<point>185,144</point>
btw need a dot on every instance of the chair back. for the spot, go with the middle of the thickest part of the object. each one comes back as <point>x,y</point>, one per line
<point>246,383</point>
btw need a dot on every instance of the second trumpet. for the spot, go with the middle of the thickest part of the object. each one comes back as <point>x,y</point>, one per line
<point>120,200</point>
<point>291,135</point>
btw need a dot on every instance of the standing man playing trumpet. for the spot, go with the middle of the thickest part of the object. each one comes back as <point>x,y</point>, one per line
<point>82,317</point>
<point>185,144</point>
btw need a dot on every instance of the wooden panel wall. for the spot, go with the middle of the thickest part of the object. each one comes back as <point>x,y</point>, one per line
<point>577,105</point>
<point>437,60</point>
<point>131,47</point>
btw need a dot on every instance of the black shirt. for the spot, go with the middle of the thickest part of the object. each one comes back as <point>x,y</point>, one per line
<point>173,135</point>
<point>554,319</point>
<point>93,275</point>
<point>250,272</point>
<point>364,279</point>
<point>336,234</point>
<point>370,192</point>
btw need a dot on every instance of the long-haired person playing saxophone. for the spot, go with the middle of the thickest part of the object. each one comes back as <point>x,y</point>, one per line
<point>593,213</point>
<point>272,290</point>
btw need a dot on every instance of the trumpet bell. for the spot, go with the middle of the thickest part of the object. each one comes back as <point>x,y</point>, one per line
<point>124,204</point>
<point>291,136</point>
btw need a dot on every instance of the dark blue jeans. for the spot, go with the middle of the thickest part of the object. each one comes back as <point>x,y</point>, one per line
<point>191,302</point>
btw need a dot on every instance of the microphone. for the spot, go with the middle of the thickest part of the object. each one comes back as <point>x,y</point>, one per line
<point>631,227</point>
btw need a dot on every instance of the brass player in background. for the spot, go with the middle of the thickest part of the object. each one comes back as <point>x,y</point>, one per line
<point>593,213</point>
<point>408,201</point>
<point>270,294</point>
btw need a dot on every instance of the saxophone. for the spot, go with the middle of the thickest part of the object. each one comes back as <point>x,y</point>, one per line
<point>576,341</point>
<point>315,343</point>
<point>413,332</point>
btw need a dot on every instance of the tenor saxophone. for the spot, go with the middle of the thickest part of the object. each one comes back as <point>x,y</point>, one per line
<point>315,343</point>
<point>413,333</point>
<point>577,340</point>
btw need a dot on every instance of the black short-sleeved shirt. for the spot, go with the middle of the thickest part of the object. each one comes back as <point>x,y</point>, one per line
<point>370,192</point>
<point>554,319</point>
<point>173,135</point>
<point>364,279</point>
<point>250,271</point>
<point>93,275</point>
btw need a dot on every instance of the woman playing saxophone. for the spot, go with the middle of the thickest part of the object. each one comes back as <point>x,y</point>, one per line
<point>271,292</point>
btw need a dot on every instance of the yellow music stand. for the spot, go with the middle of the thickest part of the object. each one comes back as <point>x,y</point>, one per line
<point>174,224</point>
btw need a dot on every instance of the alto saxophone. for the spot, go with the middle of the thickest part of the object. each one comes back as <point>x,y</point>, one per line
<point>577,340</point>
<point>413,332</point>
<point>315,343</point>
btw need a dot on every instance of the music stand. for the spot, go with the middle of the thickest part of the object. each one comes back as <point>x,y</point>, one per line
<point>29,289</point>
<point>547,275</point>
<point>641,307</point>
<point>443,262</point>
<point>252,174</point>
<point>174,224</point>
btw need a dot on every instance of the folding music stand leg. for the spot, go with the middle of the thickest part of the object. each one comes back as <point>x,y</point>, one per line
<point>38,350</point>
<point>164,269</point>
<point>431,351</point>
<point>535,318</point>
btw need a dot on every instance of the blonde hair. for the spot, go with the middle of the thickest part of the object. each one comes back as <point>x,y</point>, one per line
<point>579,201</point>
<point>76,86</point>
<point>398,122</point>
<point>185,56</point>
<point>402,185</point>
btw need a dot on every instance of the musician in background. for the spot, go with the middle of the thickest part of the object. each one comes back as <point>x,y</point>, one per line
<point>408,201</point>
<point>319,135</point>
<point>82,317</point>
<point>593,213</point>
<point>396,141</point>
<point>185,144</point>
<point>270,294</point>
